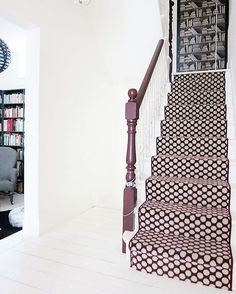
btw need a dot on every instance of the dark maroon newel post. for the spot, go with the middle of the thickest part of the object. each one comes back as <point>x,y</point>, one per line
<point>132,115</point>
<point>130,191</point>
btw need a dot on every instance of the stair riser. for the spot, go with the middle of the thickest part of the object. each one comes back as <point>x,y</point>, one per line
<point>184,98</point>
<point>185,223</point>
<point>197,77</point>
<point>185,271</point>
<point>188,193</point>
<point>202,87</point>
<point>195,112</point>
<point>194,128</point>
<point>205,84</point>
<point>216,169</point>
<point>211,147</point>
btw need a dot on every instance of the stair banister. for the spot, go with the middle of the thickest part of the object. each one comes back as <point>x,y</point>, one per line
<point>132,115</point>
<point>171,5</point>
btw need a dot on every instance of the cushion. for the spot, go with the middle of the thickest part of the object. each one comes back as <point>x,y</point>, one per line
<point>16,217</point>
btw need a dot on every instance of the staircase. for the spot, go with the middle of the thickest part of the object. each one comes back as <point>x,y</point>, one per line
<point>185,223</point>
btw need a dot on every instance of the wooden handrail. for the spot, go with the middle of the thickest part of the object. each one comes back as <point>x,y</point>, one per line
<point>148,75</point>
<point>132,115</point>
<point>171,5</point>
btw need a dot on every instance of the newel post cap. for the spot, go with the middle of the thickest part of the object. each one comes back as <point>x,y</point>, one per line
<point>132,93</point>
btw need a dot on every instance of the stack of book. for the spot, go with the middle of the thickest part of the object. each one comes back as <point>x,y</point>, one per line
<point>208,30</point>
<point>212,19</point>
<point>14,98</point>
<point>220,46</point>
<point>184,67</point>
<point>20,154</point>
<point>207,57</point>
<point>221,64</point>
<point>20,187</point>
<point>219,37</point>
<point>13,140</point>
<point>209,11</point>
<point>20,169</point>
<point>220,19</point>
<point>209,66</point>
<point>13,125</point>
<point>16,112</point>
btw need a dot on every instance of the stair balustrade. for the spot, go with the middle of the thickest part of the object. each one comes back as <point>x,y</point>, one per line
<point>142,106</point>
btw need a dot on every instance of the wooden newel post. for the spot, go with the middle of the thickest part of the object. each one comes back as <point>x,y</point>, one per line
<point>130,191</point>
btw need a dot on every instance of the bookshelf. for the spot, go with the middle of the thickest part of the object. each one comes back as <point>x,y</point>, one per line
<point>202,35</point>
<point>12,117</point>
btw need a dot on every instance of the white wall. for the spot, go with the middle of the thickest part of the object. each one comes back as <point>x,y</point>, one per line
<point>31,155</point>
<point>89,57</point>
<point>126,34</point>
<point>66,75</point>
<point>232,41</point>
<point>231,105</point>
<point>232,86</point>
<point>15,37</point>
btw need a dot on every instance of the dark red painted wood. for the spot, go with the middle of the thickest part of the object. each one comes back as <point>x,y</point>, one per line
<point>129,203</point>
<point>171,5</point>
<point>130,191</point>
<point>132,115</point>
<point>148,75</point>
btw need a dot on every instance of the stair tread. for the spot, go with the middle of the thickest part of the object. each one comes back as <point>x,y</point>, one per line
<point>191,180</point>
<point>188,249</point>
<point>186,208</point>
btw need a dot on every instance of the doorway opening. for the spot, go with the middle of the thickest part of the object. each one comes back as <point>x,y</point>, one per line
<point>19,130</point>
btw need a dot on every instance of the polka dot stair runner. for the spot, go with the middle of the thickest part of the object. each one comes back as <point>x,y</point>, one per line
<point>185,223</point>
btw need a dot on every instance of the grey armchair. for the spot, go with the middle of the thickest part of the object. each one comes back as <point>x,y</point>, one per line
<point>8,172</point>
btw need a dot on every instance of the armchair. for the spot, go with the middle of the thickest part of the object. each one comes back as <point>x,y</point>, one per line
<point>8,172</point>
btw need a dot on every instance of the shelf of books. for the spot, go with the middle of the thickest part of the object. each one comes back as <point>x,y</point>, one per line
<point>12,113</point>
<point>202,35</point>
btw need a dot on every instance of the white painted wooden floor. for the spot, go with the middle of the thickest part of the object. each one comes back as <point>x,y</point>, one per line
<point>79,258</point>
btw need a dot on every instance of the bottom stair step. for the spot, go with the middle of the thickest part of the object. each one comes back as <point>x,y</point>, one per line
<point>195,260</point>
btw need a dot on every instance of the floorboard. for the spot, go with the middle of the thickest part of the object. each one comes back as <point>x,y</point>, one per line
<point>83,256</point>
